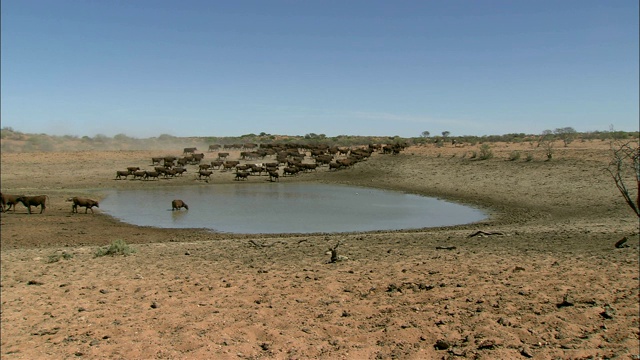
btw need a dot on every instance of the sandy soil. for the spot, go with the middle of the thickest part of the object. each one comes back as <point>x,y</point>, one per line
<point>548,284</point>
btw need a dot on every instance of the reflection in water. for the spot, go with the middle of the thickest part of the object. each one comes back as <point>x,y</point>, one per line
<point>177,215</point>
<point>285,208</point>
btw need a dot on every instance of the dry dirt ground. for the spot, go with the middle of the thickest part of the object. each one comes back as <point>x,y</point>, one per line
<point>547,284</point>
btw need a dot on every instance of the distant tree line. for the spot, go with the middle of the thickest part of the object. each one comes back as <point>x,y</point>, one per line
<point>565,134</point>
<point>21,142</point>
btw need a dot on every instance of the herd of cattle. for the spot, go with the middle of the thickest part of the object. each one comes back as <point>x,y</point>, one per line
<point>276,159</point>
<point>10,201</point>
<point>273,160</point>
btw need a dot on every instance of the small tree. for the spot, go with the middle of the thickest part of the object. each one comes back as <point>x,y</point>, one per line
<point>548,149</point>
<point>625,164</point>
<point>546,142</point>
<point>566,134</point>
<point>445,134</point>
<point>425,134</point>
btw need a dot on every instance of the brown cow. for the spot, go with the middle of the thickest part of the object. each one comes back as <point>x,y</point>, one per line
<point>274,175</point>
<point>180,170</point>
<point>308,167</point>
<point>29,201</point>
<point>290,170</point>
<point>242,175</point>
<point>197,158</point>
<point>139,174</point>
<point>335,166</point>
<point>160,170</point>
<point>9,201</point>
<point>205,173</point>
<point>87,204</point>
<point>178,204</point>
<point>121,173</point>
<point>156,160</point>
<point>151,174</point>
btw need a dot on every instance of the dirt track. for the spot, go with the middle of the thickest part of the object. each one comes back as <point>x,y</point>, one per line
<point>196,294</point>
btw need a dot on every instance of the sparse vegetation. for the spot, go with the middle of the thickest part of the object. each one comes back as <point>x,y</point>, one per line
<point>117,247</point>
<point>485,152</point>
<point>53,258</point>
<point>546,143</point>
<point>548,149</point>
<point>514,156</point>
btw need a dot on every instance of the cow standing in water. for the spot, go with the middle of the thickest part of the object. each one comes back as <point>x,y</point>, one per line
<point>178,204</point>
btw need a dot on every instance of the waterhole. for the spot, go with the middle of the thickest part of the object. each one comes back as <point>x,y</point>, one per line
<point>285,208</point>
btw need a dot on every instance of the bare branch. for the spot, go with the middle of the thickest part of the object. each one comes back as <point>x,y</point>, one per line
<point>625,164</point>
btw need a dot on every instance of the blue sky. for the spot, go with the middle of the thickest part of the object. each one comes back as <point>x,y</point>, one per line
<point>379,68</point>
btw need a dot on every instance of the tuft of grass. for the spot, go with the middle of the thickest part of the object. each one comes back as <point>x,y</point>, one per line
<point>529,157</point>
<point>117,247</point>
<point>54,258</point>
<point>474,155</point>
<point>515,155</point>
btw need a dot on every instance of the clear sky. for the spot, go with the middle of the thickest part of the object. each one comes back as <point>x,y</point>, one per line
<point>347,67</point>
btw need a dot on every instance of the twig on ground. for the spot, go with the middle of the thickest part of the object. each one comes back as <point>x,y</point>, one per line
<point>485,233</point>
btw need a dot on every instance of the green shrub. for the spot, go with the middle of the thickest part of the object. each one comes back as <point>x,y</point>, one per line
<point>485,152</point>
<point>515,155</point>
<point>117,247</point>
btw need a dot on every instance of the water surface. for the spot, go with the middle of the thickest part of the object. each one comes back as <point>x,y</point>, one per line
<point>284,208</point>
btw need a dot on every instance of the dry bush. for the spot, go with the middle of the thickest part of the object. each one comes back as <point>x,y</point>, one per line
<point>624,168</point>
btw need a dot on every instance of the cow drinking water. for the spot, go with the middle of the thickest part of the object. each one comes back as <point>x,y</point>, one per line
<point>178,204</point>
